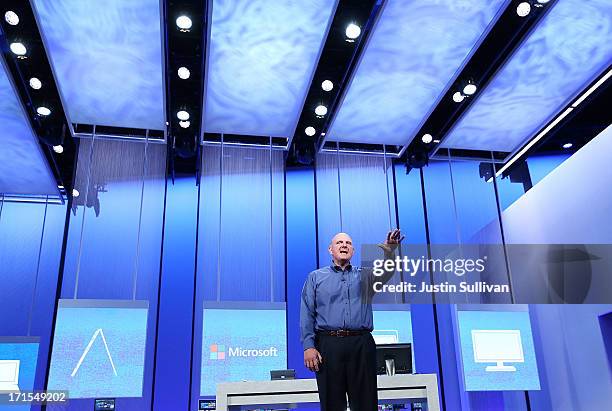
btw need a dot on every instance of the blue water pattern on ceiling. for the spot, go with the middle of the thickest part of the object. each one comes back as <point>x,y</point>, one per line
<point>107,58</point>
<point>570,46</point>
<point>414,51</point>
<point>261,59</point>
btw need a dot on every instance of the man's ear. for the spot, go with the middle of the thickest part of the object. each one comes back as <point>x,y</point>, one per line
<point>329,249</point>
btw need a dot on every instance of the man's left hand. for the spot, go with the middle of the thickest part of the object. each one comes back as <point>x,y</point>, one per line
<point>394,238</point>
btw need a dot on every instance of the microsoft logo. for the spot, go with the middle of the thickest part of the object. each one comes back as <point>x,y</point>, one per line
<point>217,352</point>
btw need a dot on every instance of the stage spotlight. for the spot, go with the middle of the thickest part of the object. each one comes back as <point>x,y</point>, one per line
<point>184,23</point>
<point>75,192</point>
<point>182,115</point>
<point>321,110</point>
<point>436,141</point>
<point>458,97</point>
<point>58,149</point>
<point>543,1</point>
<point>184,124</point>
<point>310,131</point>
<point>183,73</point>
<point>469,89</point>
<point>523,9</point>
<point>567,145</point>
<point>11,18</point>
<point>427,138</point>
<point>35,83</point>
<point>43,111</point>
<point>19,49</point>
<point>327,85</point>
<point>352,32</point>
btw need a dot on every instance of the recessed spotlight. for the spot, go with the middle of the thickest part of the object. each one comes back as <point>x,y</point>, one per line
<point>327,85</point>
<point>11,18</point>
<point>310,131</point>
<point>58,149</point>
<point>523,9</point>
<point>458,97</point>
<point>322,134</point>
<point>35,83</point>
<point>43,111</point>
<point>75,192</point>
<point>184,22</point>
<point>182,115</point>
<point>436,141</point>
<point>321,110</point>
<point>469,89</point>
<point>543,1</point>
<point>427,138</point>
<point>352,31</point>
<point>60,187</point>
<point>183,73</point>
<point>19,49</point>
<point>567,145</point>
<point>184,124</point>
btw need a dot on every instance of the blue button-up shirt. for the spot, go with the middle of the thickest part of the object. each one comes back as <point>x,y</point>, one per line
<point>335,299</point>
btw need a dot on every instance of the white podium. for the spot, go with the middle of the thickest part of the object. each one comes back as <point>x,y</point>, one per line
<point>262,393</point>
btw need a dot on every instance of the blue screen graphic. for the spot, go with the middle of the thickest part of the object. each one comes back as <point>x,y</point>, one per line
<point>18,354</point>
<point>497,351</point>
<point>391,327</point>
<point>99,350</point>
<point>241,344</point>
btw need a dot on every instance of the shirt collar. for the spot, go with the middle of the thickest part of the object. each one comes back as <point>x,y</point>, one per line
<point>338,269</point>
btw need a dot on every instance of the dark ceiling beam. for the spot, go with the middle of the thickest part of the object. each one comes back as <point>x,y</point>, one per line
<point>51,130</point>
<point>497,47</point>
<point>184,48</point>
<point>337,62</point>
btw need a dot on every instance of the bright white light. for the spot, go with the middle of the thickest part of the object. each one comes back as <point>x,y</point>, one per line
<point>427,138</point>
<point>436,141</point>
<point>43,111</point>
<point>35,83</point>
<point>60,187</point>
<point>182,115</point>
<point>321,110</point>
<point>327,85</point>
<point>458,97</point>
<point>184,124</point>
<point>567,145</point>
<point>19,49</point>
<point>58,149</point>
<point>523,9</point>
<point>353,31</point>
<point>183,22</point>
<point>75,192</point>
<point>469,89</point>
<point>543,1</point>
<point>183,73</point>
<point>310,131</point>
<point>11,18</point>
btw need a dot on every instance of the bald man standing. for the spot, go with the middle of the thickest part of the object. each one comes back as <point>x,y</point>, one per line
<point>336,323</point>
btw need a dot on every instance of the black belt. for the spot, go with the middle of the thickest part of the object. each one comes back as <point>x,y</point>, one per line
<point>341,333</point>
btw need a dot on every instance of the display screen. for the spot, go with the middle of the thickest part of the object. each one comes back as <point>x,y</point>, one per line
<point>497,351</point>
<point>18,357</point>
<point>99,348</point>
<point>392,326</point>
<point>241,344</point>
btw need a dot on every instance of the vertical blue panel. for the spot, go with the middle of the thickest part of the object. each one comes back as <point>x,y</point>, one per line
<point>261,59</point>
<point>107,59</point>
<point>176,310</point>
<point>301,257</point>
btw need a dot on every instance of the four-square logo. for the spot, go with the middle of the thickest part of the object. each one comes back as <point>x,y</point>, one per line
<point>217,352</point>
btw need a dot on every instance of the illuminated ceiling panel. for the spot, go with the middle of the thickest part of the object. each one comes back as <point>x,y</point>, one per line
<point>107,60</point>
<point>562,56</point>
<point>23,168</point>
<point>262,55</point>
<point>415,50</point>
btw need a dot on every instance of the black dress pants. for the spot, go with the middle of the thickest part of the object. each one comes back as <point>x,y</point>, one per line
<point>349,367</point>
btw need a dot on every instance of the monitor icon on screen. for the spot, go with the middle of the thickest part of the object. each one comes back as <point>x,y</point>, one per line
<point>9,375</point>
<point>498,346</point>
<point>385,336</point>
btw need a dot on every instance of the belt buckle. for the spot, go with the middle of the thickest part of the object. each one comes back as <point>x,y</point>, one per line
<point>342,333</point>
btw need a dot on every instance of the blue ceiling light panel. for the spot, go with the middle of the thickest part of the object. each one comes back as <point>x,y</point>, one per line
<point>107,60</point>
<point>569,48</point>
<point>23,168</point>
<point>261,58</point>
<point>412,55</point>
